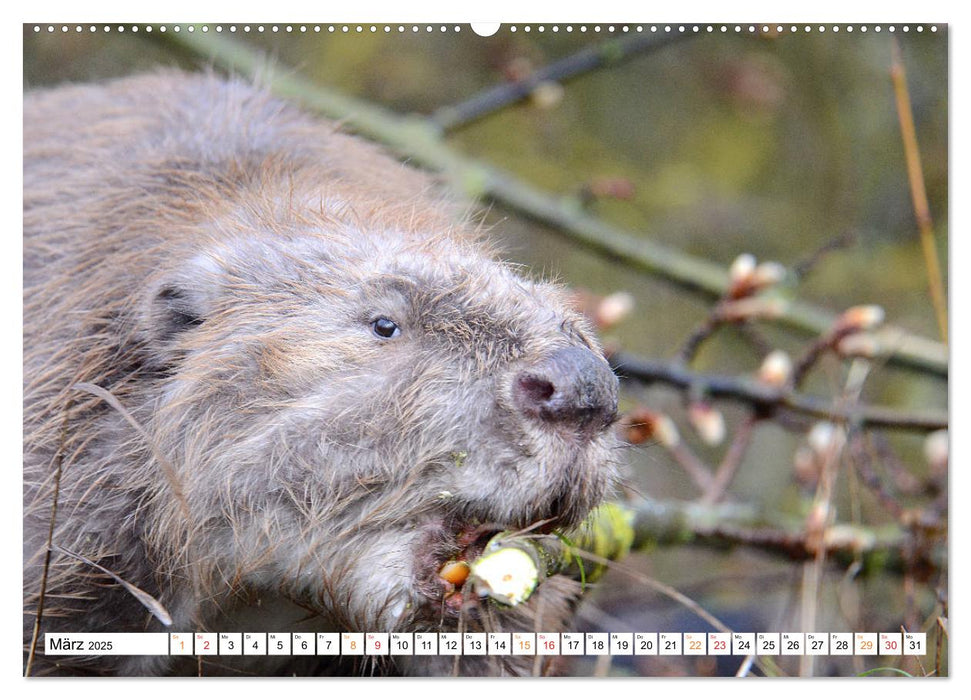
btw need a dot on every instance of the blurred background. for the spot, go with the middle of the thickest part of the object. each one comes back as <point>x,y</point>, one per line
<point>715,144</point>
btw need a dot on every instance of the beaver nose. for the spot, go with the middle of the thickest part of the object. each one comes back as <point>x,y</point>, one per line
<point>572,387</point>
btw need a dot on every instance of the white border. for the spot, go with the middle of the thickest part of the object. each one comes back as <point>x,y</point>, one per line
<point>827,11</point>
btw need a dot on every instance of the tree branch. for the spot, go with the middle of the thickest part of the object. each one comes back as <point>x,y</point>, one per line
<point>612,52</point>
<point>767,400</point>
<point>675,523</point>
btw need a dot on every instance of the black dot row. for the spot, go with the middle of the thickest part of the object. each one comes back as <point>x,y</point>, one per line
<point>387,29</point>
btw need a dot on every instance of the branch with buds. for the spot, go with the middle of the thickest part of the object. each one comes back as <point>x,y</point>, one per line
<point>767,394</point>
<point>514,564</point>
<point>772,393</point>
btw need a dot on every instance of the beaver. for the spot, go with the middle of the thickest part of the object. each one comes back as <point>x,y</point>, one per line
<point>275,379</point>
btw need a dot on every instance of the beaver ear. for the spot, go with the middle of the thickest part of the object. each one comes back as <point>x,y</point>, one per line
<point>182,300</point>
<point>175,310</point>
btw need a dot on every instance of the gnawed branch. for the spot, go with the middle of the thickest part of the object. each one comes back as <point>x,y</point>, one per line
<point>513,564</point>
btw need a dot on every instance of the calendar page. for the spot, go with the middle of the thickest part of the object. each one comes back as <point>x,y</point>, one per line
<point>604,349</point>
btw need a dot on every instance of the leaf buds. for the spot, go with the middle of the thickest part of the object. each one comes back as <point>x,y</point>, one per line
<point>746,278</point>
<point>776,369</point>
<point>707,421</point>
<point>642,425</point>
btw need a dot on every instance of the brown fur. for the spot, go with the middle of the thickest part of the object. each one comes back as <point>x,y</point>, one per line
<point>212,258</point>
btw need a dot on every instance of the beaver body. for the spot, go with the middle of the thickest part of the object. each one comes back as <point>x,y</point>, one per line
<point>276,382</point>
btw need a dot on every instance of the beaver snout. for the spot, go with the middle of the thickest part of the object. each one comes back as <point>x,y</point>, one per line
<point>572,388</point>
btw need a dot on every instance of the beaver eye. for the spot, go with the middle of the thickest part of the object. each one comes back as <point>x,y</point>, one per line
<point>385,328</point>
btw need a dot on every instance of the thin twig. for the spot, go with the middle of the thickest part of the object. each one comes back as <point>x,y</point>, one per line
<point>732,460</point>
<point>760,344</point>
<point>821,517</point>
<point>768,400</point>
<point>699,472</point>
<point>697,337</point>
<point>863,463</point>
<point>918,191</point>
<point>812,355</point>
<point>803,267</point>
<point>58,467</point>
<point>611,52</point>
